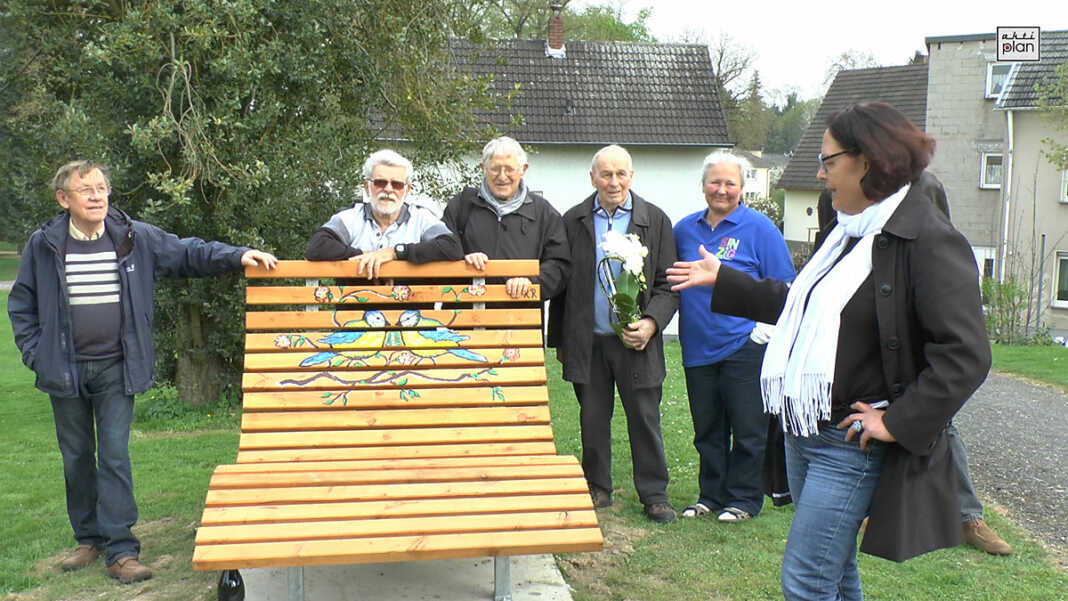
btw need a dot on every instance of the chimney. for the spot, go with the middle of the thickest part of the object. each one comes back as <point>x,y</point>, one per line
<point>555,46</point>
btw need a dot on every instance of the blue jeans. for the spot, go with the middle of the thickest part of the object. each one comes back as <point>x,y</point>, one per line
<point>730,429</point>
<point>96,465</point>
<point>832,482</point>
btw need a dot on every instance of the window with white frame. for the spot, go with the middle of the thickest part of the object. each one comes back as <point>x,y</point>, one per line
<point>1060,279</point>
<point>990,170</point>
<point>1064,187</point>
<point>996,74</point>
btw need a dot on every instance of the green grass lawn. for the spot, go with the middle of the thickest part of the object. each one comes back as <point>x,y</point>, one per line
<point>174,453</point>
<point>9,267</point>
<point>702,559</point>
<point>1047,364</point>
<point>171,469</point>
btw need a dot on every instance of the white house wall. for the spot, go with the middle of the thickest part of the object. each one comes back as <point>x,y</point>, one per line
<point>800,219</point>
<point>1036,208</point>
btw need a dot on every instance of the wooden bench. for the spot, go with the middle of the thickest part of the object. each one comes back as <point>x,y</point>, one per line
<point>400,432</point>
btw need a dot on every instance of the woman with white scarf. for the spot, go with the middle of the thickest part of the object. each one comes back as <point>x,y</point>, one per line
<point>878,343</point>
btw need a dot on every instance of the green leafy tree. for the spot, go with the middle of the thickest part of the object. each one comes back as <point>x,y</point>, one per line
<point>529,20</point>
<point>790,122</point>
<point>606,24</point>
<point>243,120</point>
<point>748,126</point>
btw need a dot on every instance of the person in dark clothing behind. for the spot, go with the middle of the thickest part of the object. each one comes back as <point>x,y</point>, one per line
<point>81,311</point>
<point>502,219</point>
<point>974,527</point>
<point>385,227</point>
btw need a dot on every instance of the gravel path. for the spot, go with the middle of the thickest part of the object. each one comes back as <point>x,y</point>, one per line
<point>1016,435</point>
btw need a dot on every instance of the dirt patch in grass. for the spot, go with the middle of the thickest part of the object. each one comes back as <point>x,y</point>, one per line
<point>173,577</point>
<point>590,571</point>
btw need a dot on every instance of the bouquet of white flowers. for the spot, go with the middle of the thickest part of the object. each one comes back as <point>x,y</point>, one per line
<point>622,290</point>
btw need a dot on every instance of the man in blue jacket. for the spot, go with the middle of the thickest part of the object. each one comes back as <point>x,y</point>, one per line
<point>82,309</point>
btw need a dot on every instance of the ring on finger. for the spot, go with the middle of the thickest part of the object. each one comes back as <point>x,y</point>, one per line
<point>857,426</point>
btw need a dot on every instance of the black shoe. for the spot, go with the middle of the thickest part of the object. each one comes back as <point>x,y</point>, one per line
<point>601,497</point>
<point>660,512</point>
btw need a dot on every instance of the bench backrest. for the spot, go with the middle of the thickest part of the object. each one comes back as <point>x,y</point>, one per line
<point>419,369</point>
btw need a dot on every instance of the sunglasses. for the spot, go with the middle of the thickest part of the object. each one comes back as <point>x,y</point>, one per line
<point>381,184</point>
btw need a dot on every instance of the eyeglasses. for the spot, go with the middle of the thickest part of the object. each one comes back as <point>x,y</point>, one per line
<point>507,170</point>
<point>398,186</point>
<point>823,159</point>
<point>89,190</point>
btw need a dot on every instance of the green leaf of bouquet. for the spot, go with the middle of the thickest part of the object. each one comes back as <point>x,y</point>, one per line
<point>627,284</point>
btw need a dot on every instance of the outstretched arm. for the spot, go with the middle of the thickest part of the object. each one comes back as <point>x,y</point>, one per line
<point>684,274</point>
<point>253,257</point>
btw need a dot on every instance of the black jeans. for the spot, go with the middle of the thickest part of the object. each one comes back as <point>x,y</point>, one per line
<point>726,407</point>
<point>96,459</point>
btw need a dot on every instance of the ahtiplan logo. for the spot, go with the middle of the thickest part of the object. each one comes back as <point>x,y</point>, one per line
<point>1018,43</point>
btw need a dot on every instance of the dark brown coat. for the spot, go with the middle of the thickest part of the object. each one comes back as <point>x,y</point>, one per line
<point>935,354</point>
<point>571,313</point>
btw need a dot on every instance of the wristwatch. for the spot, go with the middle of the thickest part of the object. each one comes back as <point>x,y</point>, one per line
<point>401,250</point>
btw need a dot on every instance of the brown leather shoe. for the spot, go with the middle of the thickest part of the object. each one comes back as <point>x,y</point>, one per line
<point>980,536</point>
<point>601,497</point>
<point>128,569</point>
<point>660,512</point>
<point>83,556</point>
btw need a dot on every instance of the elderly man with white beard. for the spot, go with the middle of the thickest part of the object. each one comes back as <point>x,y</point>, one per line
<point>385,227</point>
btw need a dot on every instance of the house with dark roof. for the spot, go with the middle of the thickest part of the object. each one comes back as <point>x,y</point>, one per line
<point>766,170</point>
<point>1034,191</point>
<point>904,87</point>
<point>1006,197</point>
<point>566,102</point>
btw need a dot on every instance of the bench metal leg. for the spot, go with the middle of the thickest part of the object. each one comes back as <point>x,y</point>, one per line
<point>295,578</point>
<point>502,585</point>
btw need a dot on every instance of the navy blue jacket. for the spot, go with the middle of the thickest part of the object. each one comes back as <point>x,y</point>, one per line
<point>39,302</point>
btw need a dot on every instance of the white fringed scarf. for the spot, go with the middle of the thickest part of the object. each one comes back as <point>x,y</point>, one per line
<point>798,368</point>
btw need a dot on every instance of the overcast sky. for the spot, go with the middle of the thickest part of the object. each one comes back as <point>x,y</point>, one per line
<point>796,42</point>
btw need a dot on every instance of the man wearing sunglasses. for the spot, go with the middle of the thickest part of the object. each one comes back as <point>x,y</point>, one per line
<point>384,228</point>
<point>81,311</point>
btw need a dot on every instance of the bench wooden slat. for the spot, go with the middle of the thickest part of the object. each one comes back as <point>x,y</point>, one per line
<point>283,341</point>
<point>420,436</point>
<point>334,529</point>
<point>396,464</point>
<point>385,295</point>
<point>461,318</point>
<point>312,477</point>
<point>397,269</point>
<point>401,548</point>
<point>399,378</point>
<point>372,492</point>
<point>543,447</point>
<point>344,419</point>
<point>397,358</point>
<point>311,512</point>
<point>382,398</point>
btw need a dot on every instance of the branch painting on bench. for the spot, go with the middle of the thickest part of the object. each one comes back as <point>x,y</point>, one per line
<point>429,344</point>
<point>323,294</point>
